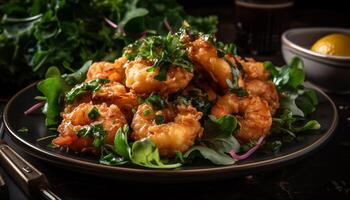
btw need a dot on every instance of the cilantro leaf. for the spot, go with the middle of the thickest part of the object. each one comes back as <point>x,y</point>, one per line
<point>82,88</point>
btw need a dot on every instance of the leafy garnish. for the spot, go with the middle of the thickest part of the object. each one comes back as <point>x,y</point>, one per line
<point>82,88</point>
<point>159,119</point>
<point>35,35</point>
<point>163,50</point>
<point>23,130</point>
<point>223,49</point>
<point>156,101</point>
<point>96,131</point>
<point>147,112</point>
<point>296,102</point>
<point>94,113</point>
<point>142,152</point>
<point>121,145</point>
<point>53,88</point>
<point>77,76</point>
<point>145,153</point>
<point>196,98</point>
<point>217,141</point>
<point>233,85</point>
<point>210,154</point>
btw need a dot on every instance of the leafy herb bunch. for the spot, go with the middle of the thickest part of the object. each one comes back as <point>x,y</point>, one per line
<point>38,34</point>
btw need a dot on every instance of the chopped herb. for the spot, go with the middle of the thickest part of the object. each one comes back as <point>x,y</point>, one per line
<point>96,131</point>
<point>147,112</point>
<point>94,113</point>
<point>51,145</point>
<point>223,49</point>
<point>156,102</point>
<point>272,146</point>
<point>140,100</point>
<point>133,110</point>
<point>40,98</point>
<point>23,130</point>
<point>159,119</point>
<point>197,98</point>
<point>163,50</point>
<point>91,86</point>
<point>233,85</point>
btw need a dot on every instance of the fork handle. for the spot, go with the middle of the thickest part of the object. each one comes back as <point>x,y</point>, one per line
<point>26,176</point>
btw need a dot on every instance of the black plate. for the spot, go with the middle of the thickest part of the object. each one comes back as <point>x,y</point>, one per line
<point>14,119</point>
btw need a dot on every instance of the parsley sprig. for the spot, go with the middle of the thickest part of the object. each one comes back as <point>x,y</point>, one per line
<point>164,51</point>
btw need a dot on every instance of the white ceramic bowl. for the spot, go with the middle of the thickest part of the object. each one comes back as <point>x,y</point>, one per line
<point>331,73</point>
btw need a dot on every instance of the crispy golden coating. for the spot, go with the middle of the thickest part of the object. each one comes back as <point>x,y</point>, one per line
<point>144,82</point>
<point>116,93</point>
<point>252,113</point>
<point>204,55</point>
<point>110,117</point>
<point>105,70</point>
<point>178,133</point>
<point>265,90</point>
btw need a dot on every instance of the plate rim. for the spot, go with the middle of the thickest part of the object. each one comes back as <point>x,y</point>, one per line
<point>198,171</point>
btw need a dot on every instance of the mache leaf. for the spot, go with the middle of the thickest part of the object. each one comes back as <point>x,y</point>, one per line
<point>145,153</point>
<point>53,88</point>
<point>210,154</point>
<point>121,145</point>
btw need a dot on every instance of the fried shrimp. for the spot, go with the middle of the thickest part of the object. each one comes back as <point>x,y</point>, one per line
<point>105,70</point>
<point>253,69</point>
<point>178,132</point>
<point>204,54</point>
<point>252,113</point>
<point>116,93</point>
<point>144,82</point>
<point>110,117</point>
<point>265,90</point>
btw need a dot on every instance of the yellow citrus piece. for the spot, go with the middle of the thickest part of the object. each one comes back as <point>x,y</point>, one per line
<point>336,44</point>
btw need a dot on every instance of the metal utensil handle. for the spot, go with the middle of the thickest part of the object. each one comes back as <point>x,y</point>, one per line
<point>26,175</point>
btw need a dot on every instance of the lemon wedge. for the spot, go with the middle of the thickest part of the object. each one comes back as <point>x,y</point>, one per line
<point>336,44</point>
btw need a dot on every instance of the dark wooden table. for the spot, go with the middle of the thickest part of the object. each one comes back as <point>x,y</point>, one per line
<point>325,174</point>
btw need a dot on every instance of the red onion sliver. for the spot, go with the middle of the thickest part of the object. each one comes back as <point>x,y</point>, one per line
<point>112,24</point>
<point>34,107</point>
<point>167,25</point>
<point>249,152</point>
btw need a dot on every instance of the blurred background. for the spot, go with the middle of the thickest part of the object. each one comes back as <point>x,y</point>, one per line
<point>304,13</point>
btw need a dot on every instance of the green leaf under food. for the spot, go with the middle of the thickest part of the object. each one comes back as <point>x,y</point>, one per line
<point>145,153</point>
<point>121,145</point>
<point>212,155</point>
<point>218,140</point>
<point>296,102</point>
<point>79,75</point>
<point>53,88</point>
<point>224,126</point>
<point>142,152</point>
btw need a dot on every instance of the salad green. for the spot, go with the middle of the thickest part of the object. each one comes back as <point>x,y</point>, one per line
<point>38,34</point>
